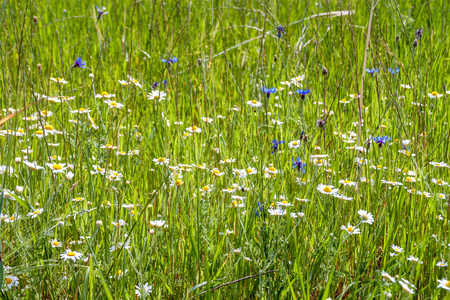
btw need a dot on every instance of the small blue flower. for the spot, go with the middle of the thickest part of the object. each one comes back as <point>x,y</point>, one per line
<point>303,93</point>
<point>381,140</point>
<point>280,31</point>
<point>165,83</point>
<point>372,71</point>
<point>79,63</point>
<point>258,210</point>
<point>171,60</point>
<point>299,165</point>
<point>155,84</point>
<point>268,91</point>
<point>275,145</point>
<point>101,12</point>
<point>393,71</point>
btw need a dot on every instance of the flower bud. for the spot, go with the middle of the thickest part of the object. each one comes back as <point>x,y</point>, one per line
<point>19,189</point>
<point>35,19</point>
<point>324,72</point>
<point>414,44</point>
<point>18,159</point>
<point>60,224</point>
<point>39,66</point>
<point>99,223</point>
<point>91,76</point>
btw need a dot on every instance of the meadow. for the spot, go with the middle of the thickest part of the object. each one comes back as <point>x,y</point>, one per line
<point>224,149</point>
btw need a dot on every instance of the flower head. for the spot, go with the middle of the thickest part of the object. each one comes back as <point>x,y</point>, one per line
<point>101,12</point>
<point>79,63</point>
<point>280,31</point>
<point>381,140</point>
<point>299,165</point>
<point>170,60</point>
<point>71,255</point>
<point>268,91</point>
<point>275,145</point>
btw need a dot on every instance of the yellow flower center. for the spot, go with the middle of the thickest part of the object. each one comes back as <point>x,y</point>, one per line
<point>216,171</point>
<point>8,280</point>
<point>249,171</point>
<point>179,182</point>
<point>44,112</point>
<point>56,167</point>
<point>36,212</point>
<point>441,196</point>
<point>161,159</point>
<point>119,272</point>
<point>438,165</point>
<point>100,169</point>
<point>343,100</point>
<point>439,182</point>
<point>350,229</point>
<point>234,203</point>
<point>206,188</point>
<point>254,101</point>
<point>104,94</point>
<point>48,127</point>
<point>71,253</point>
<point>20,130</point>
<point>113,103</point>
<point>327,189</point>
<point>295,143</point>
<point>194,128</point>
<point>107,146</point>
<point>447,284</point>
<point>272,169</point>
<point>379,167</point>
<point>365,217</point>
<point>413,190</point>
<point>284,202</point>
<point>346,181</point>
<point>12,218</point>
<point>434,93</point>
<point>55,243</point>
<point>81,109</point>
<point>78,198</point>
<point>408,178</point>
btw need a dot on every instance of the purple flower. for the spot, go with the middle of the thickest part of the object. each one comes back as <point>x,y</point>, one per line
<point>394,71</point>
<point>381,140</point>
<point>101,11</point>
<point>170,61</point>
<point>155,84</point>
<point>280,31</point>
<point>275,145</point>
<point>79,63</point>
<point>299,165</point>
<point>268,91</point>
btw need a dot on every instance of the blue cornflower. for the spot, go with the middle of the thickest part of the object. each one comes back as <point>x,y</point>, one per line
<point>372,71</point>
<point>259,209</point>
<point>393,71</point>
<point>101,11</point>
<point>280,30</point>
<point>299,165</point>
<point>155,84</point>
<point>165,83</point>
<point>79,63</point>
<point>171,60</point>
<point>268,91</point>
<point>381,140</point>
<point>303,93</point>
<point>275,145</point>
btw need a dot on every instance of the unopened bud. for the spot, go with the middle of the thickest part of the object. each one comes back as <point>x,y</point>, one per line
<point>60,224</point>
<point>35,19</point>
<point>324,72</point>
<point>37,204</point>
<point>19,189</point>
<point>18,159</point>
<point>414,44</point>
<point>91,76</point>
<point>99,223</point>
<point>39,66</point>
<point>397,38</point>
<point>275,58</point>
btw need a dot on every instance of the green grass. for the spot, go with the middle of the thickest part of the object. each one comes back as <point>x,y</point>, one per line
<point>226,52</point>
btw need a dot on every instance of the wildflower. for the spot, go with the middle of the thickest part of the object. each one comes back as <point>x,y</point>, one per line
<point>366,217</point>
<point>414,259</point>
<point>194,129</point>
<point>371,71</point>
<point>71,255</point>
<point>35,213</point>
<point>119,223</point>
<point>327,189</point>
<point>342,197</point>
<point>439,182</point>
<point>33,165</point>
<point>101,12</point>
<point>79,63</point>
<point>143,290</point>
<point>134,81</point>
<point>276,212</point>
<point>321,123</point>
<point>216,172</point>
<point>442,264</point>
<point>344,101</point>
<point>434,95</point>
<point>381,140</point>
<point>59,80</point>
<point>350,229</point>
<point>397,249</point>
<point>280,31</point>
<point>386,276</point>
<point>55,243</point>
<point>406,288</point>
<point>347,182</point>
<point>170,60</point>
<point>11,281</point>
<point>299,165</point>
<point>158,223</point>
<point>80,111</point>
<point>294,144</point>
<point>251,171</point>
<point>268,91</point>
<point>275,145</point>
<point>105,95</point>
<point>303,93</point>
<point>254,103</point>
<point>394,71</point>
<point>444,284</point>
<point>207,120</point>
<point>118,274</point>
<point>157,95</point>
<point>124,82</point>
<point>438,164</point>
<point>113,104</point>
<point>57,168</point>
